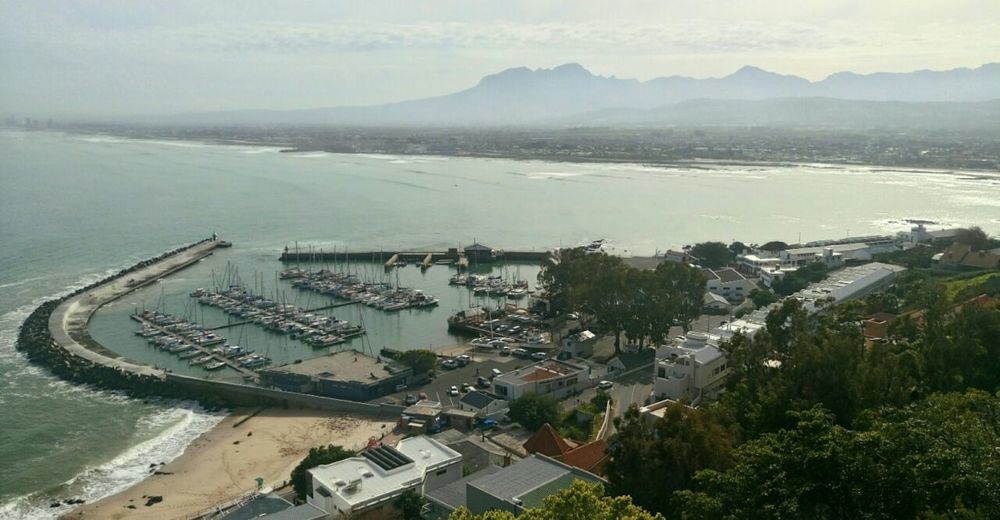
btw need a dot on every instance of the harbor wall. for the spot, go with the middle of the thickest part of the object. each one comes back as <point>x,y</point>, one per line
<point>35,340</point>
<point>246,395</point>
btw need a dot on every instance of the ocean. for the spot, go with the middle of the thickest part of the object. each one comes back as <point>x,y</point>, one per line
<point>74,208</point>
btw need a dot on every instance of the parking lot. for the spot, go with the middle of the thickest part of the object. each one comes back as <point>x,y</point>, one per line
<point>482,364</point>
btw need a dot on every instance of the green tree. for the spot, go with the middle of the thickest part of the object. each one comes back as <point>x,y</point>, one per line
<point>420,360</point>
<point>712,255</point>
<point>738,248</point>
<point>774,246</point>
<point>408,504</point>
<point>669,451</point>
<point>762,297</point>
<point>935,457</point>
<point>301,481</point>
<point>974,237</point>
<point>580,501</point>
<point>534,410</point>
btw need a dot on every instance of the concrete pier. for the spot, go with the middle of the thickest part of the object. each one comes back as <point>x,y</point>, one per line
<point>68,323</point>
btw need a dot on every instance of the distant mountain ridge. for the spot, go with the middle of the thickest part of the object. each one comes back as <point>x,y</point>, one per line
<point>567,94</point>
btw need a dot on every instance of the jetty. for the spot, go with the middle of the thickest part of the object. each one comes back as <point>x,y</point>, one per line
<point>462,259</point>
<point>68,323</point>
<point>201,350</point>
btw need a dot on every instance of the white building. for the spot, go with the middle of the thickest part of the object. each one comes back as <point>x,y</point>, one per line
<point>580,344</point>
<point>549,377</point>
<point>371,481</point>
<point>848,284</point>
<point>753,264</point>
<point>691,367</point>
<point>729,284</point>
<point>769,276</point>
<point>835,254</point>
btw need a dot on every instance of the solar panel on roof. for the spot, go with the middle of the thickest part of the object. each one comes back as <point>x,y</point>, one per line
<point>386,457</point>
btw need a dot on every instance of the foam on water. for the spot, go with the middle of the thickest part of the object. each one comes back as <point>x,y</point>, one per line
<point>169,431</point>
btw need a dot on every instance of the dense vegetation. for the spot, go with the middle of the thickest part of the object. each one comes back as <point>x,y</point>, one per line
<point>617,299</point>
<point>713,255</point>
<point>317,457</point>
<point>534,410</point>
<point>817,422</point>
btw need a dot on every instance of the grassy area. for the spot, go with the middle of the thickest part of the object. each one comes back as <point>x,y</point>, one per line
<point>595,427</point>
<point>961,287</point>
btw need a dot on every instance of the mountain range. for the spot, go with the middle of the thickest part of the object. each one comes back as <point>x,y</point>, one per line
<point>571,95</point>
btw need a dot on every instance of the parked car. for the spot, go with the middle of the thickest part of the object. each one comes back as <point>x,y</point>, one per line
<point>482,382</point>
<point>466,387</point>
<point>573,316</point>
<point>463,360</point>
<point>449,364</point>
<point>410,399</point>
<point>505,350</point>
<point>496,372</point>
<point>453,391</point>
<point>605,385</point>
<point>520,352</point>
<point>539,356</point>
<point>400,387</point>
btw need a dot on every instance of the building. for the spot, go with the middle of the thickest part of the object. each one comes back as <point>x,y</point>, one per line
<point>580,344</point>
<point>479,253</point>
<point>959,256</point>
<point>690,368</point>
<point>550,377</point>
<point>522,485</point>
<point>752,265</point>
<point>848,284</point>
<point>484,405</point>
<point>590,457</point>
<point>681,257</point>
<point>729,284</point>
<point>628,362</point>
<point>835,253</point>
<point>366,485</point>
<point>715,304</point>
<point>422,417</point>
<point>769,276</point>
<point>343,375</point>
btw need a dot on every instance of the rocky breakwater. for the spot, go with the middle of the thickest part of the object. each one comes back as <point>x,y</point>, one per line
<point>55,334</point>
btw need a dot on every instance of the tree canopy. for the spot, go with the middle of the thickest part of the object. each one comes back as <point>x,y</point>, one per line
<point>817,421</point>
<point>713,255</point>
<point>420,360</point>
<point>534,410</point>
<point>619,299</point>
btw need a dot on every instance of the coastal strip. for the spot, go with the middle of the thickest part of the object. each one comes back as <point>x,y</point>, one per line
<point>55,335</point>
<point>68,322</point>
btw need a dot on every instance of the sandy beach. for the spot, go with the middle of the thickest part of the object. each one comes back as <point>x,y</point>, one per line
<point>223,464</point>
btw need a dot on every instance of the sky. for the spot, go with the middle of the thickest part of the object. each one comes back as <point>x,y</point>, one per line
<point>130,57</point>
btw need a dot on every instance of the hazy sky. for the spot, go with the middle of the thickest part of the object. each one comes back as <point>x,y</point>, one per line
<point>131,57</point>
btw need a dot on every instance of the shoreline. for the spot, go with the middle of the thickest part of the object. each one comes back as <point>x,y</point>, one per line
<point>693,163</point>
<point>221,465</point>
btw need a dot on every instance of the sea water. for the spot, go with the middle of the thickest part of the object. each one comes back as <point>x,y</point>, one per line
<point>75,208</point>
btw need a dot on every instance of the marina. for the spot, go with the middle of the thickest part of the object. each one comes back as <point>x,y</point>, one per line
<point>189,341</point>
<point>281,318</point>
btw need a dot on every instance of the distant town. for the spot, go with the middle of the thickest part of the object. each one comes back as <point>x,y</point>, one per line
<point>913,148</point>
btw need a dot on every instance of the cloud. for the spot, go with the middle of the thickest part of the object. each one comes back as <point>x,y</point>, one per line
<point>688,36</point>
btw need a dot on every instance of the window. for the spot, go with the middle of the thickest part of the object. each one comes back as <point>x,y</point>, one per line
<point>441,472</point>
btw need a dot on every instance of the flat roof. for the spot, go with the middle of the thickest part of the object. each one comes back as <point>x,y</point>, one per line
<point>376,479</point>
<point>348,365</point>
<point>548,369</point>
<point>524,477</point>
